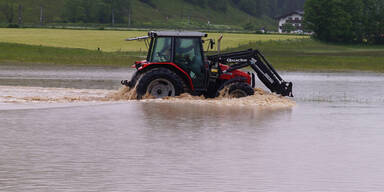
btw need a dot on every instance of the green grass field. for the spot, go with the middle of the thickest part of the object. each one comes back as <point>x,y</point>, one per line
<point>32,54</point>
<point>285,52</point>
<point>111,41</point>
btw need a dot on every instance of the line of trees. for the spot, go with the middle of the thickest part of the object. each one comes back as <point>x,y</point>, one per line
<point>96,11</point>
<point>72,11</point>
<point>346,21</point>
<point>15,11</point>
<point>255,8</point>
<point>120,11</point>
<point>7,8</point>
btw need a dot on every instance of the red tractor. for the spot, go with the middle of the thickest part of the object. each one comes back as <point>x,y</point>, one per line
<point>176,63</point>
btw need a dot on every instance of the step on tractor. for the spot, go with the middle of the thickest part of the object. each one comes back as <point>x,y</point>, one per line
<point>176,63</point>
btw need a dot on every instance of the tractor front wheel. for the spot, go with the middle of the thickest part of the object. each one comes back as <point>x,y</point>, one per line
<point>159,83</point>
<point>240,89</point>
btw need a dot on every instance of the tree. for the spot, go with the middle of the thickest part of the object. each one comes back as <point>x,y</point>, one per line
<point>374,21</point>
<point>96,11</point>
<point>249,26</point>
<point>119,9</point>
<point>218,6</point>
<point>7,8</point>
<point>74,11</point>
<point>334,20</point>
<point>200,3</point>
<point>149,2</point>
<point>346,21</point>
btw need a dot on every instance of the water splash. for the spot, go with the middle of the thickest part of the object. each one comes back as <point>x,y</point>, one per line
<point>12,94</point>
<point>124,93</point>
<point>261,99</point>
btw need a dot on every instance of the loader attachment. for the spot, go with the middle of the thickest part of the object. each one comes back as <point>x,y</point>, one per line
<point>264,70</point>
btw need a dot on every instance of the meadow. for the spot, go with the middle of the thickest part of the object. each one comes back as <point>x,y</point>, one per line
<point>79,47</point>
<point>112,41</point>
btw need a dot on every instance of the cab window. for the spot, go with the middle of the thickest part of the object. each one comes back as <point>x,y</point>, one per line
<point>188,54</point>
<point>162,50</point>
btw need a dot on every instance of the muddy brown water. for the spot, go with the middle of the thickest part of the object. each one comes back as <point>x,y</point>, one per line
<point>59,133</point>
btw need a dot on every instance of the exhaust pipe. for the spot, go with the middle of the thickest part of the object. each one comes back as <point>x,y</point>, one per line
<point>219,44</point>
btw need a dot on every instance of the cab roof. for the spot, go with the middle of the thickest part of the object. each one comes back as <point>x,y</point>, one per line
<point>176,34</point>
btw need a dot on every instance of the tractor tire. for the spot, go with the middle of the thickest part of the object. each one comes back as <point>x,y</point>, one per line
<point>159,82</point>
<point>240,89</point>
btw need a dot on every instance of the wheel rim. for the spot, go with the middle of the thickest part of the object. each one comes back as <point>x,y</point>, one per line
<point>160,88</point>
<point>238,93</point>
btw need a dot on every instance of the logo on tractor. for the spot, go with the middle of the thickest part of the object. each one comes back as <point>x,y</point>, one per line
<point>229,60</point>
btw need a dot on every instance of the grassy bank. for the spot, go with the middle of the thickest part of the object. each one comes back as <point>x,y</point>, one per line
<point>19,53</point>
<point>289,55</point>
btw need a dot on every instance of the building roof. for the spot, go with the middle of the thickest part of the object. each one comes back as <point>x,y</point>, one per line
<point>299,12</point>
<point>176,34</point>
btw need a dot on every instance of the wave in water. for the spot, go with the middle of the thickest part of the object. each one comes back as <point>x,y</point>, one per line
<point>15,94</point>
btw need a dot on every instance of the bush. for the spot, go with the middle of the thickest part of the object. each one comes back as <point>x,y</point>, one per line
<point>347,21</point>
<point>249,27</point>
<point>12,25</point>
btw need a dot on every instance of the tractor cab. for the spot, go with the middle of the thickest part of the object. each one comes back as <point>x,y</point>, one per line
<point>184,49</point>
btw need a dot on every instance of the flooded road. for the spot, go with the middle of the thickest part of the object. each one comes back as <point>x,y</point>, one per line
<point>331,140</point>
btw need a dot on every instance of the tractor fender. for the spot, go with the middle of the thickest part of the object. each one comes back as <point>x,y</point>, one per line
<point>233,80</point>
<point>216,93</point>
<point>182,74</point>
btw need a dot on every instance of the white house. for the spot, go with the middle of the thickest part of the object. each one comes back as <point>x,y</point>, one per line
<point>294,18</point>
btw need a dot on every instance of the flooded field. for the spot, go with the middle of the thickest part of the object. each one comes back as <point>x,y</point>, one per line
<point>63,129</point>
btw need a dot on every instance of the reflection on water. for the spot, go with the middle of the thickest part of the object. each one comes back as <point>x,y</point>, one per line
<point>331,144</point>
<point>128,147</point>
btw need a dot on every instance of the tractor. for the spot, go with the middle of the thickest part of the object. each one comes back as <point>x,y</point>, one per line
<point>176,63</point>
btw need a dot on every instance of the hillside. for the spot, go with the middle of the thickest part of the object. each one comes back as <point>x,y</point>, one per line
<point>149,13</point>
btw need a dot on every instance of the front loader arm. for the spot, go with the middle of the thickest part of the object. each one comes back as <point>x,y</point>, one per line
<point>264,70</point>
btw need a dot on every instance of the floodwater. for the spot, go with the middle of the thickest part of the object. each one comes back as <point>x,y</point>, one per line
<point>62,129</point>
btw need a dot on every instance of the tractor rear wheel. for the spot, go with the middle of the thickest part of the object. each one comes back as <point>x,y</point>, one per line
<point>159,82</point>
<point>240,89</point>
